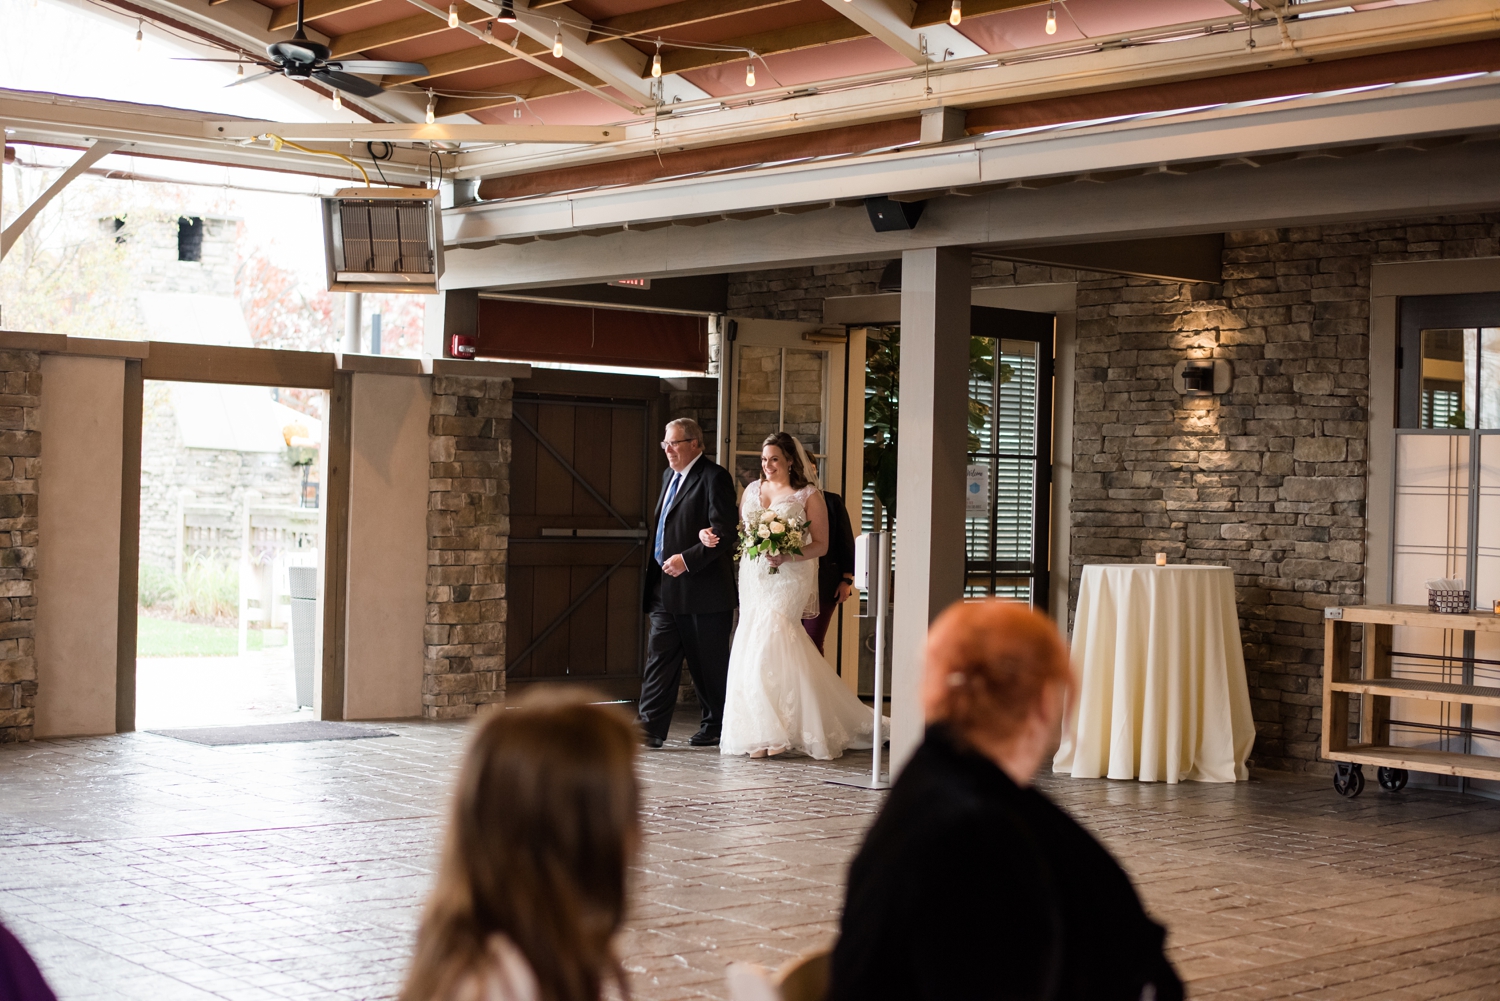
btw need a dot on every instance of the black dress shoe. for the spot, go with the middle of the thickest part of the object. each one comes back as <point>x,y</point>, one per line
<point>652,742</point>
<point>704,738</point>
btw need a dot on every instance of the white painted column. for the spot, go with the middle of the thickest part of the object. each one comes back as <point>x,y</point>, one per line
<point>387,578</point>
<point>78,547</point>
<point>932,436</point>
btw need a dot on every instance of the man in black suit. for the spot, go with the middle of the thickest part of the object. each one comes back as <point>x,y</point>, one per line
<point>690,593</point>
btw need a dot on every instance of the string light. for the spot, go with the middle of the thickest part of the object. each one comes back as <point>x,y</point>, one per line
<point>489,29</point>
<point>750,75</point>
<point>507,12</point>
<point>557,45</point>
<point>453,15</point>
<point>656,63</point>
<point>338,100</point>
<point>957,13</point>
<point>1051,21</point>
<point>239,70</point>
<point>431,107</point>
<point>140,34</point>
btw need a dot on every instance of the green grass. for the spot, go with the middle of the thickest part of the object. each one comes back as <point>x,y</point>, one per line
<point>166,638</point>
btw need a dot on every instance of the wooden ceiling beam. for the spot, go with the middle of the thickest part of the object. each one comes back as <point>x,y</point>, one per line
<point>473,58</point>
<point>765,43</point>
<point>531,88</point>
<point>404,30</point>
<point>656,20</point>
<point>286,17</point>
<point>642,169</point>
<point>930,12</point>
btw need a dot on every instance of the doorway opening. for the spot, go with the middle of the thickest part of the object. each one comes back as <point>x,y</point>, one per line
<point>230,543</point>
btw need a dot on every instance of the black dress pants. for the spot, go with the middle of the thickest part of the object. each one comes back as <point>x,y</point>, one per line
<point>704,641</point>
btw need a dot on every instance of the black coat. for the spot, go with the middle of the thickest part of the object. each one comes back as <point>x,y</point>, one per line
<point>704,500</point>
<point>839,560</point>
<point>969,887</point>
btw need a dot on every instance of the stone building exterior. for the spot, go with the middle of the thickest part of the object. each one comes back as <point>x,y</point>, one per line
<point>1271,478</point>
<point>20,447</point>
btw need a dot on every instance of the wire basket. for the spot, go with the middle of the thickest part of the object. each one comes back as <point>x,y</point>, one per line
<point>1448,602</point>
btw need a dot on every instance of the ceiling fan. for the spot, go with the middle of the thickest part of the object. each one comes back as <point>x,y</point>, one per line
<point>302,59</point>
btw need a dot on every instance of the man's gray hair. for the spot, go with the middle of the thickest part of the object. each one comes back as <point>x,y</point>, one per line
<point>689,428</point>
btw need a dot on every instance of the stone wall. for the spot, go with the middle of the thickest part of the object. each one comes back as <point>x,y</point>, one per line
<point>1269,479</point>
<point>171,472</point>
<point>468,533</point>
<point>20,447</point>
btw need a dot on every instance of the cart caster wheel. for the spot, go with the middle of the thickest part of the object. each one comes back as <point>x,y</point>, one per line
<point>1349,780</point>
<point>1391,779</point>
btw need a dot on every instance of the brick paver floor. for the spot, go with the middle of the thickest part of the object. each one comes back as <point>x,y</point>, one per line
<point>148,869</point>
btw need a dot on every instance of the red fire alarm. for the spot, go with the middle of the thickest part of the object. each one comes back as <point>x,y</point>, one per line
<point>462,346</point>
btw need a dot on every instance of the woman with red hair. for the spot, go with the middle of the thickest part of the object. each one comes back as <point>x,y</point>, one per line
<point>972,884</point>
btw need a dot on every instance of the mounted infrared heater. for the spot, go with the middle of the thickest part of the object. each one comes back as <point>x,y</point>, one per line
<point>383,240</point>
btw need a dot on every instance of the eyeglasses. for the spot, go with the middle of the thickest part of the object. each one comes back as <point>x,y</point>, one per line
<point>674,444</point>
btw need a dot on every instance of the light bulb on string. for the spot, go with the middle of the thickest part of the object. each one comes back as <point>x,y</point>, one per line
<point>1051,21</point>
<point>140,34</point>
<point>338,100</point>
<point>453,15</point>
<point>239,70</point>
<point>957,13</point>
<point>750,75</point>
<point>557,45</point>
<point>656,65</point>
<point>431,107</point>
<point>489,29</point>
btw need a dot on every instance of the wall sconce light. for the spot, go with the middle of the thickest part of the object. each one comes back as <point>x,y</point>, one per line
<point>1203,377</point>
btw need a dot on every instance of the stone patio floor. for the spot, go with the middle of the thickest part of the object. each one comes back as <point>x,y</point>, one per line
<point>144,868</point>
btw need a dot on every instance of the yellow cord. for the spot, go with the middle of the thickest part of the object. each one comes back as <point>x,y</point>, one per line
<point>277,142</point>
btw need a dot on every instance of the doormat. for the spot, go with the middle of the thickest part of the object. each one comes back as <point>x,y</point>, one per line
<point>275,733</point>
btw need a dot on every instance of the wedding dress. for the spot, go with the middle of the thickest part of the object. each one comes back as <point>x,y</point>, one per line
<point>782,696</point>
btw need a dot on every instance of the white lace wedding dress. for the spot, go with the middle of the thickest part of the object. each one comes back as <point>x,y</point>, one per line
<point>782,696</point>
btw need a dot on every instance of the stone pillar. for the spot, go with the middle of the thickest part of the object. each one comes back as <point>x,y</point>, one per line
<point>20,445</point>
<point>933,442</point>
<point>468,535</point>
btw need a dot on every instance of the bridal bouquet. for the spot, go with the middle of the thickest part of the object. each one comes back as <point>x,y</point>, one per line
<point>771,534</point>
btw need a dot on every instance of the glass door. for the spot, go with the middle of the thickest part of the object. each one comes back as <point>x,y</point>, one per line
<point>1008,493</point>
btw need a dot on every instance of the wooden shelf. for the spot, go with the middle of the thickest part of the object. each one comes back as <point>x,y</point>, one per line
<point>1414,615</point>
<point>1473,766</point>
<point>1431,691</point>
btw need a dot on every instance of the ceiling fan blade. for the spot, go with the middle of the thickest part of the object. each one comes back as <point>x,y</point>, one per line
<point>378,67</point>
<point>247,79</point>
<point>350,84</point>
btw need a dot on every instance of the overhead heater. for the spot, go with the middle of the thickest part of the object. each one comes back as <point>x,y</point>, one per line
<point>383,240</point>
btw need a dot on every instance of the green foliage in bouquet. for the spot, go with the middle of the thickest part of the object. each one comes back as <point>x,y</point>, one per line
<point>771,534</point>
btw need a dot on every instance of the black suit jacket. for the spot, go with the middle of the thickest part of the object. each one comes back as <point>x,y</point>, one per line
<point>969,887</point>
<point>839,560</point>
<point>705,500</point>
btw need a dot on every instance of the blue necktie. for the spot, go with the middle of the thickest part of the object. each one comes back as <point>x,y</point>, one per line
<point>661,523</point>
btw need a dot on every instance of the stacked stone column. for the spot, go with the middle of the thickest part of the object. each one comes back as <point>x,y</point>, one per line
<point>468,530</point>
<point>20,446</point>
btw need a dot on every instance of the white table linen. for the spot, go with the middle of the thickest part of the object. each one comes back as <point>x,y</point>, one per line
<point>1162,693</point>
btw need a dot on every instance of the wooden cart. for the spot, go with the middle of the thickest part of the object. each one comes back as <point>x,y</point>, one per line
<point>1376,688</point>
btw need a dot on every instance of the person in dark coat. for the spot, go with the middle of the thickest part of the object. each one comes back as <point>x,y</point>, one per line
<point>971,884</point>
<point>689,593</point>
<point>835,569</point>
<point>20,980</point>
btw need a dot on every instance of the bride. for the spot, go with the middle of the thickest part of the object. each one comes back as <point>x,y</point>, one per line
<point>782,697</point>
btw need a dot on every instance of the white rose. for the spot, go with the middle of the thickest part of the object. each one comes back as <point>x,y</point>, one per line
<point>777,526</point>
<point>766,517</point>
<point>763,532</point>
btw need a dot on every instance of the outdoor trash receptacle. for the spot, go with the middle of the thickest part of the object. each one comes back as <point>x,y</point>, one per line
<point>302,584</point>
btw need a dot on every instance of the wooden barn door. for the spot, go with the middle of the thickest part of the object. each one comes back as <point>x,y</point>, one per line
<point>584,450</point>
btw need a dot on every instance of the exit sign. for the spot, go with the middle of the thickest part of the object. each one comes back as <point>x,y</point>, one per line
<point>632,283</point>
